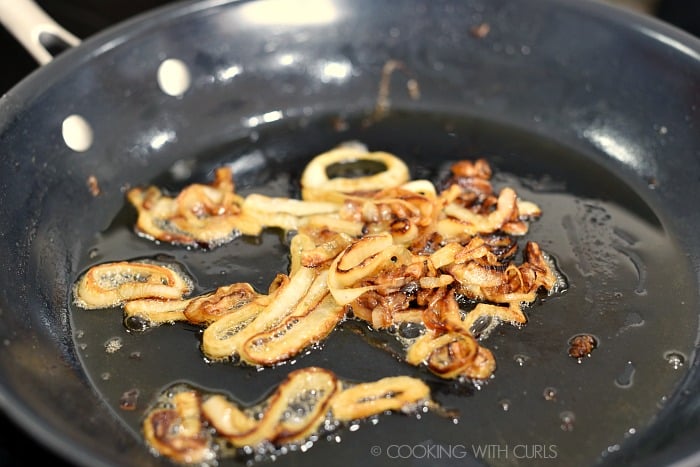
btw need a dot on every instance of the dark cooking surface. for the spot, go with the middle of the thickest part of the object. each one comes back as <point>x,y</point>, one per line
<point>83,17</point>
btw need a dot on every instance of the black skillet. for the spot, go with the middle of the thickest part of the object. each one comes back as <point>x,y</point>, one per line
<point>590,111</point>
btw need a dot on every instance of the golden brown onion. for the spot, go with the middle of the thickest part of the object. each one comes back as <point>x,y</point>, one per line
<point>199,215</point>
<point>112,284</point>
<point>366,399</point>
<point>156,311</point>
<point>292,335</point>
<point>178,432</point>
<point>281,422</point>
<point>210,307</point>
<point>317,186</point>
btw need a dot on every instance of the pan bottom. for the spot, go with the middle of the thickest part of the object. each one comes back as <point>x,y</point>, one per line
<point>629,286</point>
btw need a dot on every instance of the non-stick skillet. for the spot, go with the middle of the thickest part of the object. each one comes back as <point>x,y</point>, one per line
<point>590,111</point>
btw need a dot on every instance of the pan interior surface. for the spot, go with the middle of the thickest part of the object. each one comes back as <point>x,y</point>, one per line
<point>629,286</point>
<point>587,111</point>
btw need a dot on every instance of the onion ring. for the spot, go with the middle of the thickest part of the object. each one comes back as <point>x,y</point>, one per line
<point>317,186</point>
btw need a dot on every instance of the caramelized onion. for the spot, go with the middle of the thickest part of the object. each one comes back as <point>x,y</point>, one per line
<point>293,334</point>
<point>220,340</point>
<point>199,215</point>
<point>281,422</point>
<point>397,253</point>
<point>359,260</point>
<point>186,424</point>
<point>452,355</point>
<point>366,399</point>
<point>178,432</point>
<point>210,307</point>
<point>389,249</point>
<point>155,311</point>
<point>112,284</point>
<point>317,186</point>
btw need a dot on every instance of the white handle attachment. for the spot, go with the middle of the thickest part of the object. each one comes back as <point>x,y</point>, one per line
<point>38,33</point>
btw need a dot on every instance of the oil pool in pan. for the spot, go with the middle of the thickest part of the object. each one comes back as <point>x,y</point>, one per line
<point>628,286</point>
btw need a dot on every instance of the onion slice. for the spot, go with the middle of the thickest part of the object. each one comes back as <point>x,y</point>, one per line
<point>293,334</point>
<point>317,186</point>
<point>281,422</point>
<point>366,399</point>
<point>112,284</point>
<point>208,308</point>
<point>178,432</point>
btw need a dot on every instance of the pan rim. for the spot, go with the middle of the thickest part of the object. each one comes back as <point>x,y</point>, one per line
<point>103,41</point>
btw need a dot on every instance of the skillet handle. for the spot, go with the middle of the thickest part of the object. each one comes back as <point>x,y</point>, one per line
<point>40,35</point>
